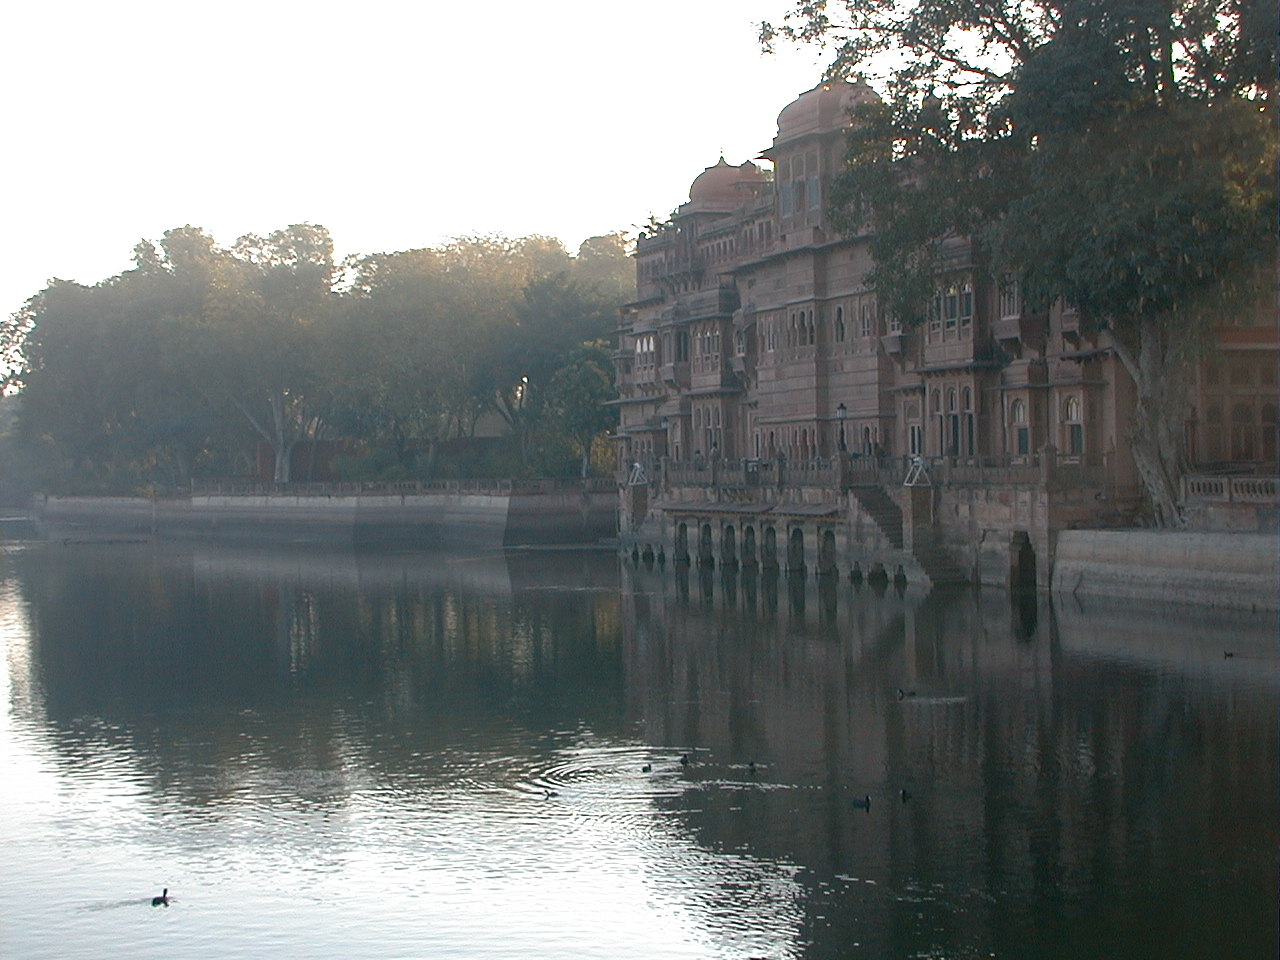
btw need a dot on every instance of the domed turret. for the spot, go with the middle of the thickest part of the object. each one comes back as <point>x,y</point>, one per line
<point>726,182</point>
<point>825,107</point>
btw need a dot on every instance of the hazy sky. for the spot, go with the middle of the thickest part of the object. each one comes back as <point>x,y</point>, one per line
<point>394,124</point>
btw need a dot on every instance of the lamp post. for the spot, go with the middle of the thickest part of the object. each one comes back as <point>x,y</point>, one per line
<point>841,412</point>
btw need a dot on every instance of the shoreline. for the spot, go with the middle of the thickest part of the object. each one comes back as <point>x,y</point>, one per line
<point>1239,571</point>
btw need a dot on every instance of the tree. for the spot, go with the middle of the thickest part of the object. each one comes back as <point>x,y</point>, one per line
<point>578,394</point>
<point>398,381</point>
<point>199,354</point>
<point>1115,155</point>
<point>277,333</point>
<point>107,394</point>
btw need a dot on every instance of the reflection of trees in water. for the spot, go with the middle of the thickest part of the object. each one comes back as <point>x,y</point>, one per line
<point>250,667</point>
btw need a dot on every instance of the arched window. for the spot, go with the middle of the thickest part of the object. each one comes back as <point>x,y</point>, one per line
<point>840,324</point>
<point>935,402</point>
<point>1073,429</point>
<point>1020,431</point>
<point>951,400</point>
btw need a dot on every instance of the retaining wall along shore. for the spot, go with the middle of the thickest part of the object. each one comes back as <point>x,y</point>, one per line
<point>1209,569</point>
<point>412,520</point>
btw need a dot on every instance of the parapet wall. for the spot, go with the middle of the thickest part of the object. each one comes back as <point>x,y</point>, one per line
<point>1208,569</point>
<point>413,520</point>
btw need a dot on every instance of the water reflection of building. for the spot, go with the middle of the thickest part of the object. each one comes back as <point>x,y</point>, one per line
<point>1061,764</point>
<point>774,409</point>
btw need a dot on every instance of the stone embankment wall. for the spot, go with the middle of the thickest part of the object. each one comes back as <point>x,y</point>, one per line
<point>1208,569</point>
<point>561,516</point>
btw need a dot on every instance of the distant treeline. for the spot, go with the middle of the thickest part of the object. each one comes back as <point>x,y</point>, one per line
<point>207,361</point>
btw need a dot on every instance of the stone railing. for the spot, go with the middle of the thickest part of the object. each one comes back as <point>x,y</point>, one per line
<point>376,488</point>
<point>1045,468</point>
<point>1244,490</point>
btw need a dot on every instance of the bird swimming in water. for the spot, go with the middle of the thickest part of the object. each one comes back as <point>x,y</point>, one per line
<point>1227,654</point>
<point>751,766</point>
<point>905,795</point>
<point>647,768</point>
<point>684,759</point>
<point>162,900</point>
<point>862,803</point>
<point>903,694</point>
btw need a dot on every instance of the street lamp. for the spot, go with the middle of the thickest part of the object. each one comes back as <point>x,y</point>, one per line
<point>841,412</point>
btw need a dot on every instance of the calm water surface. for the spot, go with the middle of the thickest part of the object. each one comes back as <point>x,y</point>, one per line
<point>412,756</point>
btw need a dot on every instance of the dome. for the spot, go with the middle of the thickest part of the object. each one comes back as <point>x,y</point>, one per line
<point>726,182</point>
<point>825,107</point>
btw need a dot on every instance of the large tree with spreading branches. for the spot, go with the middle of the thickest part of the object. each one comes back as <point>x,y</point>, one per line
<point>1114,155</point>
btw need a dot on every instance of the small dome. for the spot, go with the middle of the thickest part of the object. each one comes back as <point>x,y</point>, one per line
<point>726,182</point>
<point>825,107</point>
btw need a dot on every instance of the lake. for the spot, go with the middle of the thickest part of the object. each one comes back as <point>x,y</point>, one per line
<point>561,755</point>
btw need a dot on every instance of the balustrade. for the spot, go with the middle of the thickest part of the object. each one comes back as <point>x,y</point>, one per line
<point>1047,468</point>
<point>356,488</point>
<point>1211,489</point>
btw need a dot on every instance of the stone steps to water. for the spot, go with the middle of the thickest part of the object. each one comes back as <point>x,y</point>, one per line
<point>932,559</point>
<point>938,565</point>
<point>879,506</point>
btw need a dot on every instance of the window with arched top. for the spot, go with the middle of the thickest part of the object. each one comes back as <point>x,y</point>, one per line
<point>1019,428</point>
<point>935,402</point>
<point>1073,429</point>
<point>951,400</point>
<point>966,399</point>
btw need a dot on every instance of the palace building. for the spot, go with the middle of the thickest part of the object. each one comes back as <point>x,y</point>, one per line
<point>765,396</point>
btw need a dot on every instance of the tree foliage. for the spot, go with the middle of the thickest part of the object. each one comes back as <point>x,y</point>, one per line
<point>1115,155</point>
<point>183,365</point>
<point>578,395</point>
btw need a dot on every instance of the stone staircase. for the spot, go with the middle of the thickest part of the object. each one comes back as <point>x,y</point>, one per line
<point>935,561</point>
<point>879,506</point>
<point>929,555</point>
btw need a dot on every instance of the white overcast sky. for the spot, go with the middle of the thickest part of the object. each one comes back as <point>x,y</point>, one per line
<point>394,124</point>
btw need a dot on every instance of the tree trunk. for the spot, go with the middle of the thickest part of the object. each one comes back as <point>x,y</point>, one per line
<point>282,442</point>
<point>1155,430</point>
<point>283,451</point>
